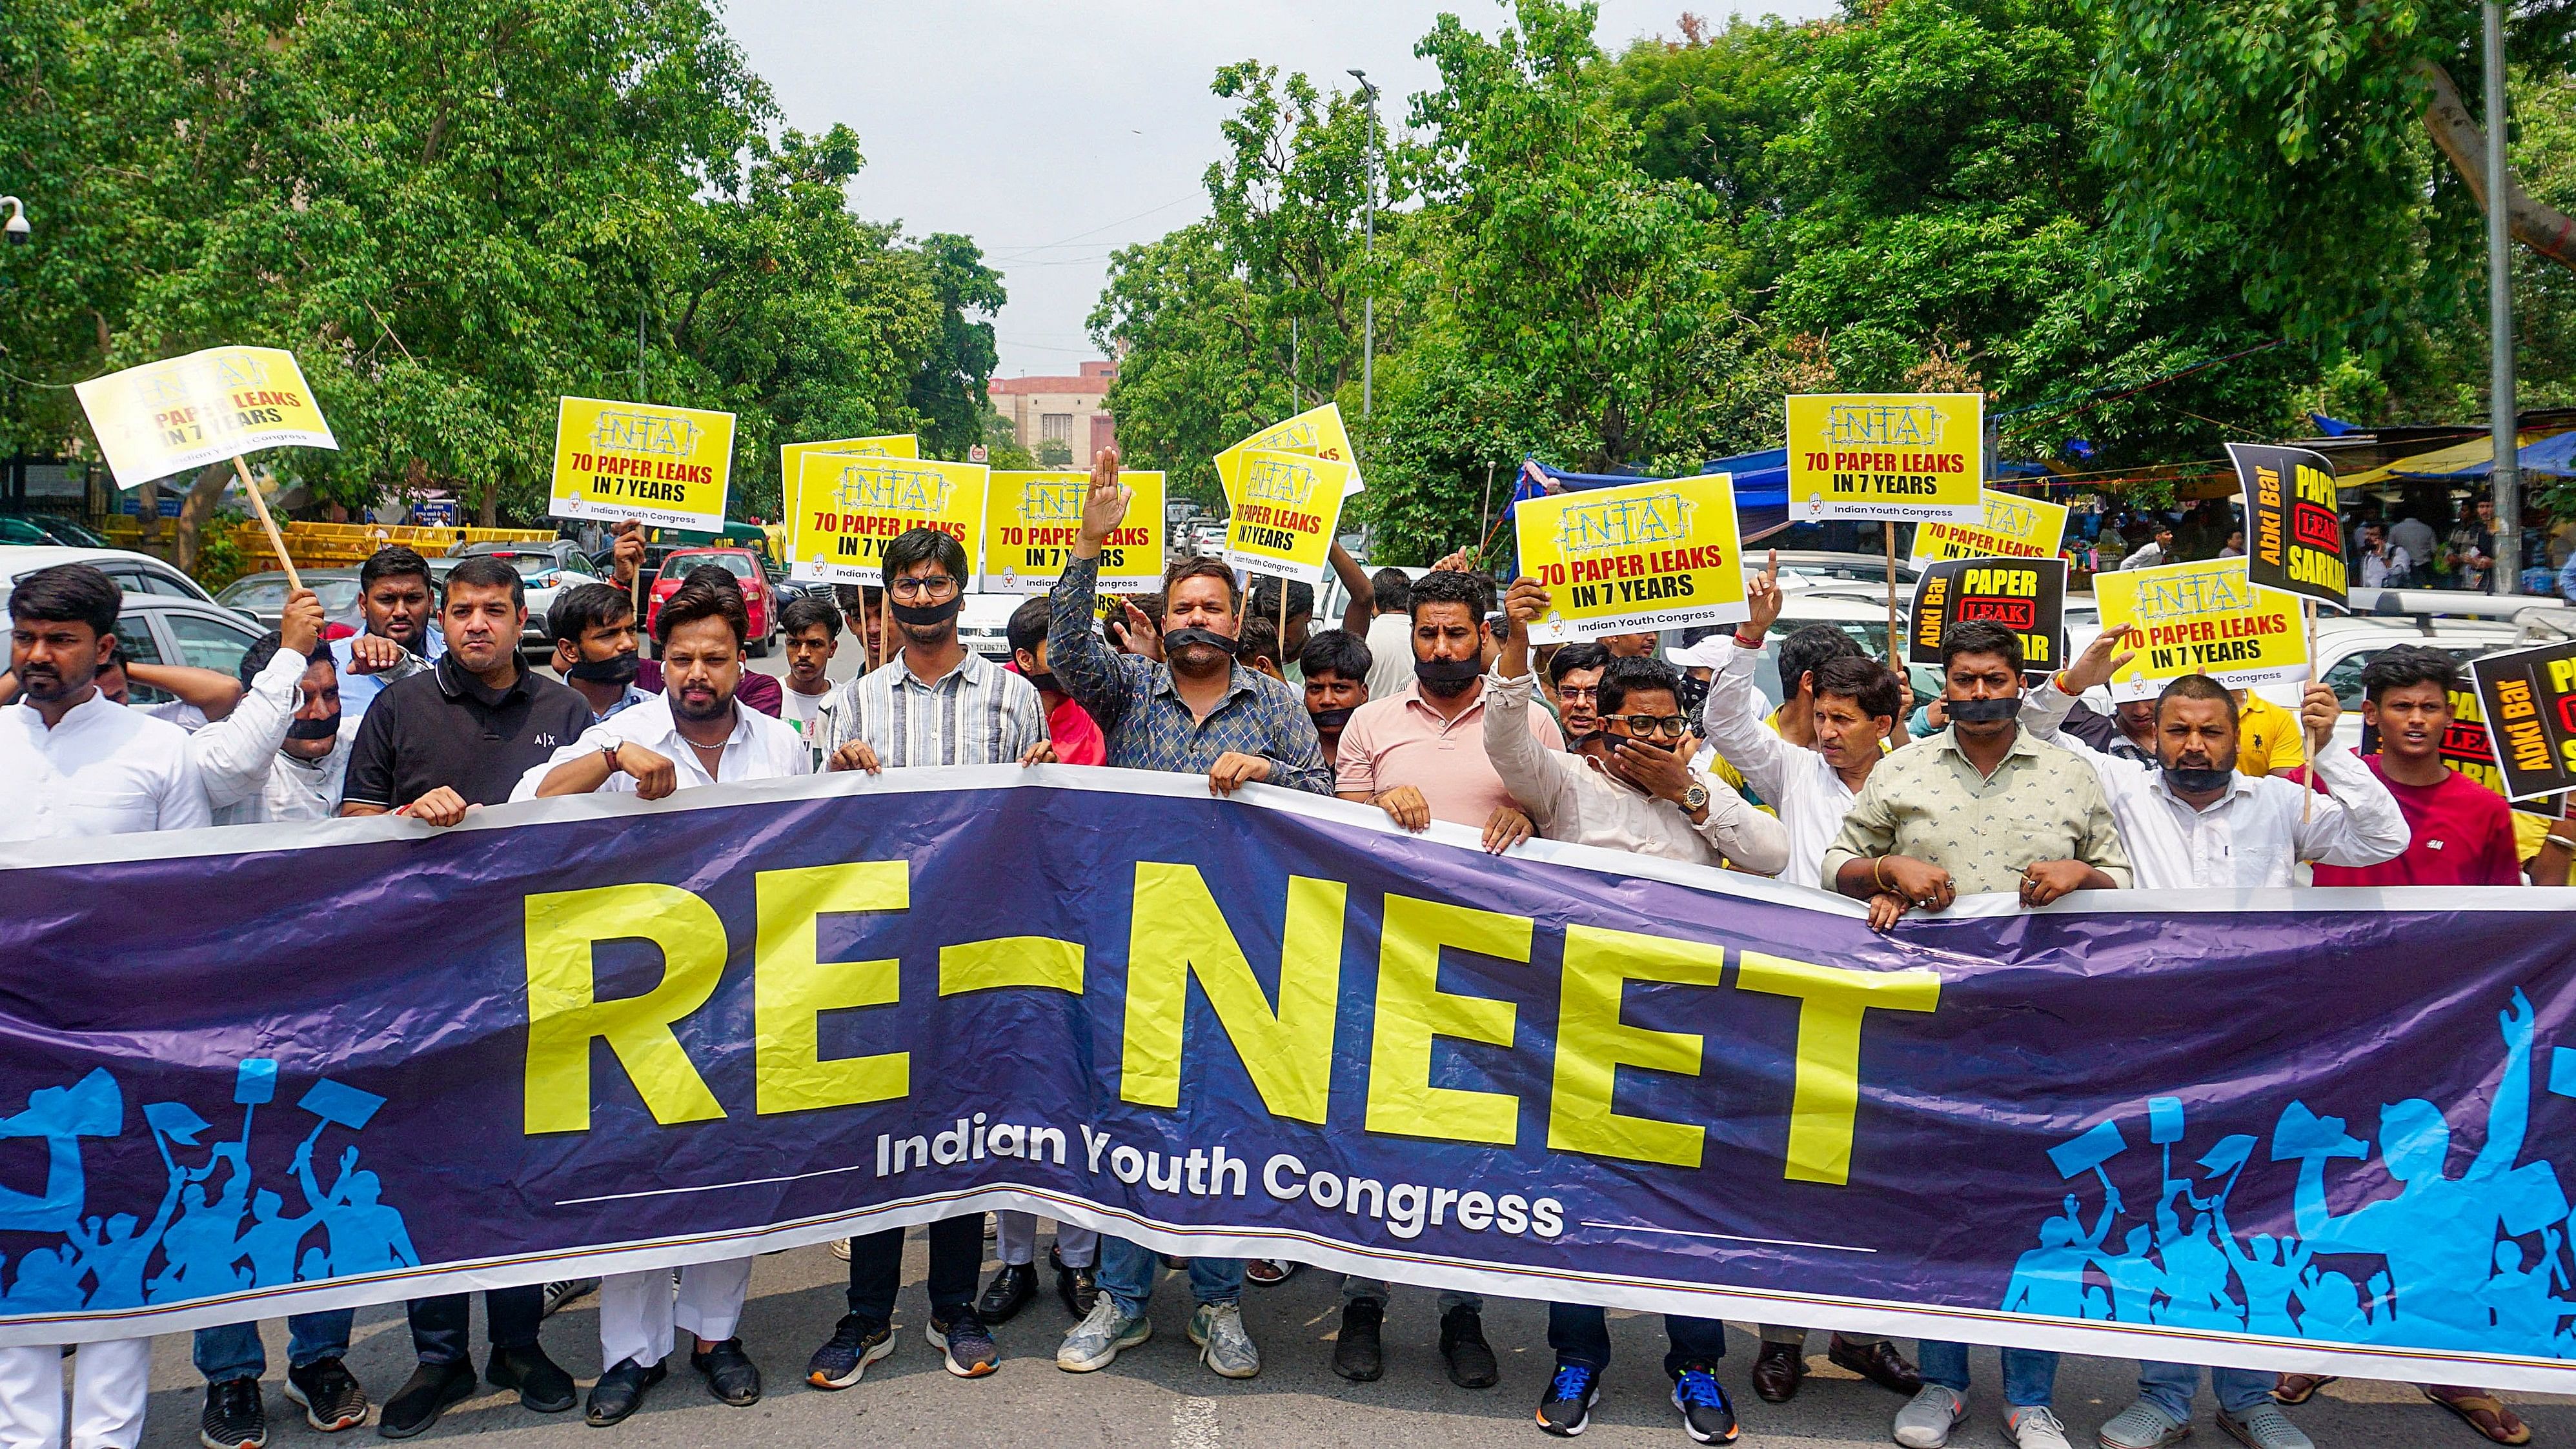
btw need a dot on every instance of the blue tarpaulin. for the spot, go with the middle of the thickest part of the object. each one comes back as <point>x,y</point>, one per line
<point>1761,487</point>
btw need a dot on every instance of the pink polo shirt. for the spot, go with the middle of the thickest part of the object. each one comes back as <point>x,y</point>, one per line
<point>1403,741</point>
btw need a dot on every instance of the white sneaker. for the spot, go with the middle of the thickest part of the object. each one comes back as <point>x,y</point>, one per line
<point>2035,1428</point>
<point>1217,1328</point>
<point>1927,1418</point>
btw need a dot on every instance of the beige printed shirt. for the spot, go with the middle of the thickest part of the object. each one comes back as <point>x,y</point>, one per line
<point>1927,802</point>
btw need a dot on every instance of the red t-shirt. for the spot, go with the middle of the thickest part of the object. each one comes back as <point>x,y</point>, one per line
<point>2463,836</point>
<point>1077,739</point>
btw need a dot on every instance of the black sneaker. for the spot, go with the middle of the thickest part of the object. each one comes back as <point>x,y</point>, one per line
<point>424,1396</point>
<point>620,1392</point>
<point>1078,1287</point>
<point>1011,1291</point>
<point>731,1375</point>
<point>1463,1348</point>
<point>543,1386</point>
<point>855,1344</point>
<point>329,1396</point>
<point>966,1346</point>
<point>1706,1414</point>
<point>233,1418</point>
<point>1567,1406</point>
<point>1359,1354</point>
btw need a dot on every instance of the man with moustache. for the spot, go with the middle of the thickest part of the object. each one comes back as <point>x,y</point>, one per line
<point>1420,756</point>
<point>309,759</point>
<point>1572,681</point>
<point>1194,710</point>
<point>73,763</point>
<point>395,606</point>
<point>2191,821</point>
<point>1627,786</point>
<point>935,703</point>
<point>434,746</point>
<point>1981,806</point>
<point>694,733</point>
<point>1807,760</point>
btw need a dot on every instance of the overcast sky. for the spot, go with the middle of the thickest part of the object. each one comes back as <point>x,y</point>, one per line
<point>1054,132</point>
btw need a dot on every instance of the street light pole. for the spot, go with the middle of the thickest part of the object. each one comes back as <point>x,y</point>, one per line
<point>2502,414</point>
<point>1368,303</point>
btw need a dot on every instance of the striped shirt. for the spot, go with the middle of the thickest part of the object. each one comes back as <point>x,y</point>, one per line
<point>1150,728</point>
<point>976,714</point>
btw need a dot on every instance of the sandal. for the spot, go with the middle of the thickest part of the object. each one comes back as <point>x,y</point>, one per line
<point>2483,1412</point>
<point>2295,1389</point>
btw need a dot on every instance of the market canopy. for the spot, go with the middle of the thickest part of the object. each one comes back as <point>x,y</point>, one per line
<point>2552,455</point>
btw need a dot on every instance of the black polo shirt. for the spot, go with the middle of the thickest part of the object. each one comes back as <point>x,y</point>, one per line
<point>443,726</point>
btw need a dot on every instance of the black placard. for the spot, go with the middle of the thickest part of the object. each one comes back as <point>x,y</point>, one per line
<point>2025,595</point>
<point>2293,521</point>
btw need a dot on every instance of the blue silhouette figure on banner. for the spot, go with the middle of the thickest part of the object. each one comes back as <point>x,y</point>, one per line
<point>2455,1271</point>
<point>90,1107</point>
<point>215,1230</point>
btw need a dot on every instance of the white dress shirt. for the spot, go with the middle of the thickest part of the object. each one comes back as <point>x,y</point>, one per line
<point>297,789</point>
<point>105,770</point>
<point>1570,799</point>
<point>760,748</point>
<point>233,754</point>
<point>1808,792</point>
<point>2250,837</point>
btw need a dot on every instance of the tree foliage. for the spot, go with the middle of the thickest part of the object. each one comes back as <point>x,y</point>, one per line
<point>455,211</point>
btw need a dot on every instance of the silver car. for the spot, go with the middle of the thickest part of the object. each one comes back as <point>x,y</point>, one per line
<point>262,596</point>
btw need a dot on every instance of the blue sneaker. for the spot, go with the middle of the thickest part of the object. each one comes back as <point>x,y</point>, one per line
<point>1705,1411</point>
<point>1570,1397</point>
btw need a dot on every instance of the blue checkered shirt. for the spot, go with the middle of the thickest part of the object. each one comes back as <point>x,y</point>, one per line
<point>1147,725</point>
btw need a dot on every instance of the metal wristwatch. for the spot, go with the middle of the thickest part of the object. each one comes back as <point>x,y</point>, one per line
<point>1694,798</point>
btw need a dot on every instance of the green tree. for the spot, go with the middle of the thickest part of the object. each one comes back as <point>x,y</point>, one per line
<point>1605,291</point>
<point>1195,371</point>
<point>2326,146</point>
<point>949,392</point>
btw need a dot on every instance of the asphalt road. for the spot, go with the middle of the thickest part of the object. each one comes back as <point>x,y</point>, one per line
<point>1158,1394</point>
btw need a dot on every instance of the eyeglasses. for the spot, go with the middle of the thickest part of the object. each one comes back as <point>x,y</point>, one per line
<point>928,586</point>
<point>1673,726</point>
<point>1568,691</point>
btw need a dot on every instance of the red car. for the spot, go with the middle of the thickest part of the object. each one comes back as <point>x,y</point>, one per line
<point>747,570</point>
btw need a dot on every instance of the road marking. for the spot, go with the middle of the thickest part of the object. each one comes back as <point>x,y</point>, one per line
<point>1194,1424</point>
<point>1726,1237</point>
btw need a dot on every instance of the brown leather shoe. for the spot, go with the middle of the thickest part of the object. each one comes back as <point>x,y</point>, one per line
<point>1777,1368</point>
<point>2483,1412</point>
<point>1878,1362</point>
<point>2296,1389</point>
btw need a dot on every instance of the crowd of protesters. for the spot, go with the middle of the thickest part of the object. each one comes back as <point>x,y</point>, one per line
<point>1429,703</point>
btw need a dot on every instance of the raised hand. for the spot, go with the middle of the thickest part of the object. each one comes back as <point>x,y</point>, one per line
<point>2100,660</point>
<point>300,628</point>
<point>1143,635</point>
<point>2319,710</point>
<point>1104,504</point>
<point>374,654</point>
<point>1762,596</point>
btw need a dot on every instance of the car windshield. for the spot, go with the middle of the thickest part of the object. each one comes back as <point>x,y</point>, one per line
<point>738,565</point>
<point>528,564</point>
<point>268,596</point>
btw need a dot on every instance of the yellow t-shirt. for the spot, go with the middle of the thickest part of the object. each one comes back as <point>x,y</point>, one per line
<point>2268,738</point>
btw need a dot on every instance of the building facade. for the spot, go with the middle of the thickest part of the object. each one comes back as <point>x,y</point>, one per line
<point>1069,411</point>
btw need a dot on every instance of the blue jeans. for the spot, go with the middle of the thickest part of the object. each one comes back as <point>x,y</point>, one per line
<point>235,1352</point>
<point>2030,1374</point>
<point>1580,1333</point>
<point>2170,1386</point>
<point>1127,1274</point>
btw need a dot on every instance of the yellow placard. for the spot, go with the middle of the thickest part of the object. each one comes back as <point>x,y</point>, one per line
<point>1655,555</point>
<point>1316,431</point>
<point>791,456</point>
<point>1030,520</point>
<point>2014,527</point>
<point>1896,457</point>
<point>848,508</point>
<point>666,466</point>
<point>2201,618</point>
<point>1286,506</point>
<point>185,412</point>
